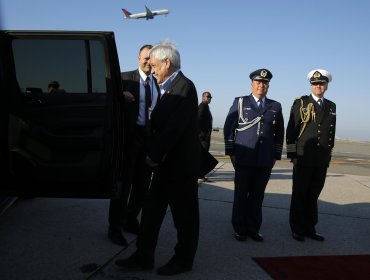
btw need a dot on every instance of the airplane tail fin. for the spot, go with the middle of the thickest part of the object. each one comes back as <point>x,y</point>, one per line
<point>127,13</point>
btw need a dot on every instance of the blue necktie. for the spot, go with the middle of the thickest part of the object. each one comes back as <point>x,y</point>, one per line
<point>148,93</point>
<point>148,99</point>
<point>260,105</point>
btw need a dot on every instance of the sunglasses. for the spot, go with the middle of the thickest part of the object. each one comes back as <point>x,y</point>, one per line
<point>318,84</point>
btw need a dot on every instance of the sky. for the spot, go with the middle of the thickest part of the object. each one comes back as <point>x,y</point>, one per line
<point>222,42</point>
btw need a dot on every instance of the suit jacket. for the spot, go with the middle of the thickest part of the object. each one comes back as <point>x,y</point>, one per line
<point>262,143</point>
<point>205,121</point>
<point>174,143</point>
<point>131,83</point>
<point>314,146</point>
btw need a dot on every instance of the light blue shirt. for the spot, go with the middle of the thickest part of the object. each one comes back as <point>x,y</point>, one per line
<point>154,97</point>
<point>256,99</point>
<point>165,85</point>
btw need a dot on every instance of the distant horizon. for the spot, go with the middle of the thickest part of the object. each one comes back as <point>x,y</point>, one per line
<point>337,138</point>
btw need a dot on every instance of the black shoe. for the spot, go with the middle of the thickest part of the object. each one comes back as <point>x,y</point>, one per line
<point>132,226</point>
<point>256,236</point>
<point>298,237</point>
<point>315,236</point>
<point>116,236</point>
<point>240,237</point>
<point>134,264</point>
<point>172,268</point>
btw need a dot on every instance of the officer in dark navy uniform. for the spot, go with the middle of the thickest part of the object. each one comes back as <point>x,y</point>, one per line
<point>310,140</point>
<point>254,136</point>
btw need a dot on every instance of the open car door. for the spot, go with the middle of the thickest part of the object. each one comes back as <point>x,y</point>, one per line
<point>68,142</point>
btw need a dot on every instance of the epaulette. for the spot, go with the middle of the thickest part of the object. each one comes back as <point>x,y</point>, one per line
<point>302,96</point>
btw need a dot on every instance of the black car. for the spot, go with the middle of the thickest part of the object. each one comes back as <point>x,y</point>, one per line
<point>67,142</point>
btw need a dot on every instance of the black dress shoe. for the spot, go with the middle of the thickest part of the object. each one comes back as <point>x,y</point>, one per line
<point>134,264</point>
<point>172,268</point>
<point>116,236</point>
<point>297,236</point>
<point>256,236</point>
<point>240,237</point>
<point>315,236</point>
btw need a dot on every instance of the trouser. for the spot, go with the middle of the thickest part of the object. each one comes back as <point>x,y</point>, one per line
<point>136,181</point>
<point>140,175</point>
<point>250,185</point>
<point>182,197</point>
<point>308,183</point>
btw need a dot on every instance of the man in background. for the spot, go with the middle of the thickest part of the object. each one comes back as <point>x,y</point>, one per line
<point>205,124</point>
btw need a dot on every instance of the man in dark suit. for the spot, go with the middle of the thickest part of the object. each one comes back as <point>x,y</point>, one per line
<point>174,155</point>
<point>141,94</point>
<point>310,139</point>
<point>254,135</point>
<point>205,124</point>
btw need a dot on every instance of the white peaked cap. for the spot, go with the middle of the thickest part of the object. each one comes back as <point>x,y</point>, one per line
<point>318,74</point>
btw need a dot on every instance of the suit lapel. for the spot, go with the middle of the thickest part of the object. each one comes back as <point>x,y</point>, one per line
<point>173,84</point>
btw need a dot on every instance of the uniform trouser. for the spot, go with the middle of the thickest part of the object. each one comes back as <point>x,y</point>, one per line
<point>182,197</point>
<point>307,185</point>
<point>250,185</point>
<point>136,182</point>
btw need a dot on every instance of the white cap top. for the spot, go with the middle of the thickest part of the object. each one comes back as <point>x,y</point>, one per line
<point>319,75</point>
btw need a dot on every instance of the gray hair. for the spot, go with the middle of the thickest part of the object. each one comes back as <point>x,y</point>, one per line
<point>166,50</point>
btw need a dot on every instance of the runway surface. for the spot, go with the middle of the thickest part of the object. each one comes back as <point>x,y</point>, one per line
<point>349,156</point>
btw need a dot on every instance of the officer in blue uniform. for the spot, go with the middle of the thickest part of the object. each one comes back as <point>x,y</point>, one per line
<point>254,136</point>
<point>310,140</point>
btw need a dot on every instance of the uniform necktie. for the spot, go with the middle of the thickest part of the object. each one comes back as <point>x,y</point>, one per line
<point>260,105</point>
<point>320,102</point>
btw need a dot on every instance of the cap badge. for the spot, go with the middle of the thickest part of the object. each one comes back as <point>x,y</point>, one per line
<point>263,73</point>
<point>317,74</point>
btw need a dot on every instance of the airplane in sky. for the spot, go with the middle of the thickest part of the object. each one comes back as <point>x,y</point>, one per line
<point>148,14</point>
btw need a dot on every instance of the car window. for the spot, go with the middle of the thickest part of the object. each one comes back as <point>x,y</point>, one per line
<point>74,66</point>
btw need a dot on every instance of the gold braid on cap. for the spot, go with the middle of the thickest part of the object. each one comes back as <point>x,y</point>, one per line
<point>306,114</point>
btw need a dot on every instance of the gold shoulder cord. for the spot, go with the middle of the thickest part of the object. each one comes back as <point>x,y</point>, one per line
<point>306,114</point>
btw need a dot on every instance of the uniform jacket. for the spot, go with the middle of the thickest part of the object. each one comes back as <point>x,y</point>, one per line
<point>262,143</point>
<point>174,143</point>
<point>205,121</point>
<point>315,145</point>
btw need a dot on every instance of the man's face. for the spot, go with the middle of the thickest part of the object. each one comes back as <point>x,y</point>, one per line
<point>206,98</point>
<point>260,88</point>
<point>318,88</point>
<point>160,68</point>
<point>144,61</point>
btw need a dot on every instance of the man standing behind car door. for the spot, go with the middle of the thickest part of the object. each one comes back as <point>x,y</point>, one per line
<point>141,95</point>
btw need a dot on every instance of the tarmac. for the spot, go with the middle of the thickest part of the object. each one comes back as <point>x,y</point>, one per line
<point>50,238</point>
